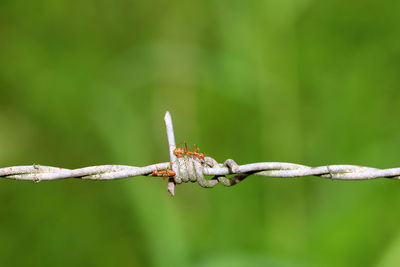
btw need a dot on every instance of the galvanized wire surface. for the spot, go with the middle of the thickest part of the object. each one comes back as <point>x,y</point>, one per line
<point>190,168</point>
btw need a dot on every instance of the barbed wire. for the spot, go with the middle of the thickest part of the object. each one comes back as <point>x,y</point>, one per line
<point>193,169</point>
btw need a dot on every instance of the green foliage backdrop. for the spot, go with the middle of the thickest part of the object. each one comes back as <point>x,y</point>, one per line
<point>87,82</point>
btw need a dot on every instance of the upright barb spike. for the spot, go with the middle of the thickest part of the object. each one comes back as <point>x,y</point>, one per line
<point>171,144</point>
<point>170,135</point>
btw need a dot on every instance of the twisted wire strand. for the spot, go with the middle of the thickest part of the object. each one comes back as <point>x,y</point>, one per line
<point>39,173</point>
<point>192,169</point>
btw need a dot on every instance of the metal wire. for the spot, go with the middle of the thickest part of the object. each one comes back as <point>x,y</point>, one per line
<point>192,169</point>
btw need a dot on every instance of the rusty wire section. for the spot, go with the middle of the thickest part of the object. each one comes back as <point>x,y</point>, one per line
<point>191,169</point>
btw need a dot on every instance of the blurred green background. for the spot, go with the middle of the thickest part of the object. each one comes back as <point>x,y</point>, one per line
<point>88,82</point>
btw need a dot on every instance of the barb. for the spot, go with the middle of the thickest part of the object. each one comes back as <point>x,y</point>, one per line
<point>190,169</point>
<point>171,144</point>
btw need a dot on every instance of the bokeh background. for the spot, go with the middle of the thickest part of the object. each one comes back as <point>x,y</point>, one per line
<point>88,82</point>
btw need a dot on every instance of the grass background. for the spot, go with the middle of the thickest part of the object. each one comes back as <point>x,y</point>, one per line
<point>87,82</point>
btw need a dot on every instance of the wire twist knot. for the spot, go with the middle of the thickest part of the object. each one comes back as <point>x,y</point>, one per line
<point>189,169</point>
